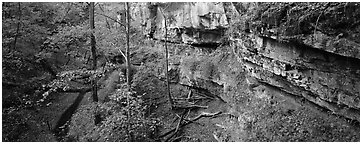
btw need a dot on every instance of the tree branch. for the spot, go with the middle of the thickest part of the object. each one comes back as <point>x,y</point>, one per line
<point>178,125</point>
<point>125,57</point>
<point>108,25</point>
<point>111,19</point>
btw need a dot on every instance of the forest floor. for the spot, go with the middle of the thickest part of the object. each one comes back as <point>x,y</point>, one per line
<point>38,123</point>
<point>48,123</point>
<point>269,115</point>
<point>202,130</point>
<point>205,129</point>
<point>259,114</point>
<point>107,83</point>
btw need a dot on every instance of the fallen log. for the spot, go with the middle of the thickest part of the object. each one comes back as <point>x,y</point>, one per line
<point>189,106</point>
<point>177,138</point>
<point>203,114</point>
<point>190,120</point>
<point>204,92</point>
<point>84,89</point>
<point>178,125</point>
<point>11,84</point>
<point>209,95</point>
<point>193,98</point>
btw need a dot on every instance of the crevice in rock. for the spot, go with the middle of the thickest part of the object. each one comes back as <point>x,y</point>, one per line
<point>327,61</point>
<point>342,107</point>
<point>354,62</point>
<point>208,47</point>
<point>211,46</point>
<point>168,41</point>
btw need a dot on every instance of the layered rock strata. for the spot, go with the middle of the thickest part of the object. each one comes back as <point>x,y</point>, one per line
<point>191,23</point>
<point>324,78</point>
<point>310,50</point>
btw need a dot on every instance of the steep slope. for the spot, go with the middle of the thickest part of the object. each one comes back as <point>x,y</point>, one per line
<point>314,56</point>
<point>279,66</point>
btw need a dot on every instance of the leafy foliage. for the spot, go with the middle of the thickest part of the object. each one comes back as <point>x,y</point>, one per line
<point>71,14</point>
<point>29,59</point>
<point>24,30</point>
<point>46,50</point>
<point>114,119</point>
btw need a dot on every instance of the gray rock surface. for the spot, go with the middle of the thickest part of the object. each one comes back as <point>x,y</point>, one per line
<point>315,57</point>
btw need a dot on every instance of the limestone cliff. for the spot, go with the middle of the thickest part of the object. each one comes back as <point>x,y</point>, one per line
<point>192,23</point>
<point>310,50</point>
<point>306,49</point>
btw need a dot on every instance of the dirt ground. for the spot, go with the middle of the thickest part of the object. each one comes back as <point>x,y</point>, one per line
<point>40,123</point>
<point>259,113</point>
<point>264,114</point>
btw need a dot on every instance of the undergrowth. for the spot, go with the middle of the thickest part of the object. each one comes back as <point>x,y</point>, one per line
<point>113,119</point>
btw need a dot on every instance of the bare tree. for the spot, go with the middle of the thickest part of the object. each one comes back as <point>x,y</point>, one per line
<point>128,72</point>
<point>93,49</point>
<point>18,26</point>
<point>127,50</point>
<point>166,59</point>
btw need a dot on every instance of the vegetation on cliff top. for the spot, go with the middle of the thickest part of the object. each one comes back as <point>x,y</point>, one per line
<point>296,19</point>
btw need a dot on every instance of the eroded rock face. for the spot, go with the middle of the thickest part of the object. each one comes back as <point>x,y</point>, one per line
<point>327,79</point>
<point>191,23</point>
<point>328,26</point>
<point>317,66</point>
<point>310,50</point>
<point>331,27</point>
<point>262,92</point>
<point>334,44</point>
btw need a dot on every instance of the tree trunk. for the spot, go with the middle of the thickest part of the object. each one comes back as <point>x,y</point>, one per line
<point>128,75</point>
<point>166,57</point>
<point>93,49</point>
<point>127,50</point>
<point>18,26</point>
